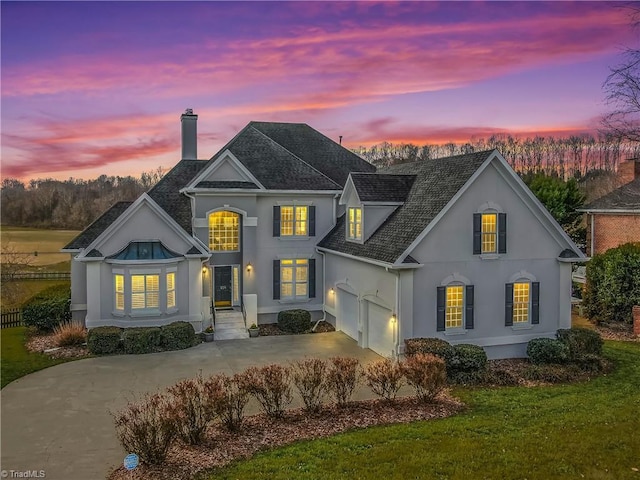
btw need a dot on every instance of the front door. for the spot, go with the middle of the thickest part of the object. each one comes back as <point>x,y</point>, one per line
<point>222,286</point>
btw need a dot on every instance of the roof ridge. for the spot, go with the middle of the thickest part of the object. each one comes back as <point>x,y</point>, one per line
<point>295,156</point>
<point>450,157</point>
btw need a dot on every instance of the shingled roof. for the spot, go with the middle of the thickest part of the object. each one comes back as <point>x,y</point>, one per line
<point>626,197</point>
<point>436,182</point>
<point>381,187</point>
<point>89,234</point>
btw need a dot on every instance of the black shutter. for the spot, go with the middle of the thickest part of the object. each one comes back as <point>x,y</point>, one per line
<point>312,221</point>
<point>535,303</point>
<point>508,305</point>
<point>312,278</point>
<point>276,279</point>
<point>468,307</point>
<point>477,233</point>
<point>441,298</point>
<point>276,221</point>
<point>502,233</point>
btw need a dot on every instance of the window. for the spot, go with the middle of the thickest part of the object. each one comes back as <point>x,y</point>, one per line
<point>455,306</point>
<point>293,221</point>
<point>145,291</point>
<point>236,285</point>
<point>224,231</point>
<point>520,303</point>
<point>354,231</point>
<point>489,232</point>
<point>294,278</point>
<point>171,290</point>
<point>119,291</point>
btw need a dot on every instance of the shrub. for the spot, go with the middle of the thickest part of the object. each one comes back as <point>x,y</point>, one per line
<point>104,340</point>
<point>552,373</point>
<point>141,339</point>
<point>309,377</point>
<point>613,284</point>
<point>69,334</point>
<point>434,346</point>
<point>468,364</point>
<point>177,336</point>
<point>294,321</point>
<point>271,386</point>
<point>542,351</point>
<point>342,378</point>
<point>426,373</point>
<point>590,362</point>
<point>191,411</point>
<point>48,309</point>
<point>228,397</point>
<point>581,341</point>
<point>147,428</point>
<point>384,377</point>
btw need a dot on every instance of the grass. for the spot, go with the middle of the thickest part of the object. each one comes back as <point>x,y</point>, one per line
<point>16,360</point>
<point>588,430</point>
<point>46,242</point>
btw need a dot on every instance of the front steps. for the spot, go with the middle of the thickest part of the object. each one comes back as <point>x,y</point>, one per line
<point>229,325</point>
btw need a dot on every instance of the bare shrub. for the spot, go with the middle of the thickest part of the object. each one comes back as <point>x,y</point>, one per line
<point>228,397</point>
<point>191,410</point>
<point>342,378</point>
<point>271,386</point>
<point>384,377</point>
<point>426,373</point>
<point>309,377</point>
<point>70,334</point>
<point>147,428</point>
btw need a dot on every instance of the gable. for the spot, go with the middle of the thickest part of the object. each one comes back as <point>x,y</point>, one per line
<point>226,168</point>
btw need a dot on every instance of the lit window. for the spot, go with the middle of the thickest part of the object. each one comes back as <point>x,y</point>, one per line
<point>294,278</point>
<point>293,221</point>
<point>224,232</point>
<point>145,291</point>
<point>236,285</point>
<point>454,306</point>
<point>520,302</point>
<point>489,232</point>
<point>119,291</point>
<point>355,223</point>
<point>171,290</point>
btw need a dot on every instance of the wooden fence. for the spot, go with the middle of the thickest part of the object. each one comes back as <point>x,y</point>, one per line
<point>11,318</point>
<point>38,276</point>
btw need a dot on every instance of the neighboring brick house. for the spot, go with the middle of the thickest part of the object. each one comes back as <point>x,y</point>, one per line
<point>614,219</point>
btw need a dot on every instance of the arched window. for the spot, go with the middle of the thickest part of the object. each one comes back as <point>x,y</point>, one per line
<point>224,231</point>
<point>522,300</point>
<point>455,304</point>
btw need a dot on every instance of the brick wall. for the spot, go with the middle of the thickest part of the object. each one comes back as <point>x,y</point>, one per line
<point>629,171</point>
<point>636,320</point>
<point>613,230</point>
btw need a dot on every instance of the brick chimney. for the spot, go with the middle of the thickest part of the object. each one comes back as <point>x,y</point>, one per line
<point>189,135</point>
<point>629,171</point>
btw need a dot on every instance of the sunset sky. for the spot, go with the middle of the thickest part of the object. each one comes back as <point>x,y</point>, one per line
<point>98,87</point>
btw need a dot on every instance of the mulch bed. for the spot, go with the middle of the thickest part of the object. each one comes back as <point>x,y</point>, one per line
<point>269,329</point>
<point>46,343</point>
<point>622,332</point>
<point>260,432</point>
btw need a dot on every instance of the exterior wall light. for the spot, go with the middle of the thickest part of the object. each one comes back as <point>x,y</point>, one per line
<point>332,291</point>
<point>249,267</point>
<point>393,318</point>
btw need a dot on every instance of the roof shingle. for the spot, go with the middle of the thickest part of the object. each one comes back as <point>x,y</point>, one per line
<point>380,187</point>
<point>89,234</point>
<point>626,197</point>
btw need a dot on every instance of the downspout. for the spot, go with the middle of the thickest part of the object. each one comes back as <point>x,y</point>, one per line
<point>593,237</point>
<point>324,312</point>
<point>396,327</point>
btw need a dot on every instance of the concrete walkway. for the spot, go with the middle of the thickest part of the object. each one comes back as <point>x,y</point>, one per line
<point>230,325</point>
<point>58,420</point>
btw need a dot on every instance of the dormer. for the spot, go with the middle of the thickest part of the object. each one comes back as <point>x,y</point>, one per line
<point>369,199</point>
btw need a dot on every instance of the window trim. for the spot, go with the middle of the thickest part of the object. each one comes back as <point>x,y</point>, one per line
<point>294,283</point>
<point>295,207</point>
<point>211,229</point>
<point>524,277</point>
<point>174,307</point>
<point>490,208</point>
<point>460,329</point>
<point>355,238</point>
<point>162,293</point>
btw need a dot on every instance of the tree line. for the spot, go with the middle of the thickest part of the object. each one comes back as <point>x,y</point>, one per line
<point>68,204</point>
<point>569,157</point>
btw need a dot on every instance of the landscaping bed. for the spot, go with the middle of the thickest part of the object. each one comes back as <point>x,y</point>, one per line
<point>269,329</point>
<point>46,343</point>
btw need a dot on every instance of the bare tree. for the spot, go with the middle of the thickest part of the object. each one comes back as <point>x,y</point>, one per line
<point>12,262</point>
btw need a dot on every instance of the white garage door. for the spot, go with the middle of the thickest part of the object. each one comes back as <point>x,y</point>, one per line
<point>347,320</point>
<point>380,329</point>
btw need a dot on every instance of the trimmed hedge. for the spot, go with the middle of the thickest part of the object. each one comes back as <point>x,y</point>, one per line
<point>543,351</point>
<point>104,340</point>
<point>581,341</point>
<point>48,309</point>
<point>294,321</point>
<point>468,364</point>
<point>141,339</point>
<point>434,346</point>
<point>177,336</point>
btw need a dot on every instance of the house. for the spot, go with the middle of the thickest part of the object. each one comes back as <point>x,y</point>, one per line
<point>283,217</point>
<point>614,218</point>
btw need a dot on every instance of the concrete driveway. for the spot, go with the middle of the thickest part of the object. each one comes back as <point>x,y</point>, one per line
<point>57,420</point>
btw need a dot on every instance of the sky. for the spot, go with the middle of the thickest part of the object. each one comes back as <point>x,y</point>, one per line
<point>91,88</point>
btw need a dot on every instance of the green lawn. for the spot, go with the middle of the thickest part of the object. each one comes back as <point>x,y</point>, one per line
<point>23,290</point>
<point>16,360</point>
<point>589,430</point>
<point>44,241</point>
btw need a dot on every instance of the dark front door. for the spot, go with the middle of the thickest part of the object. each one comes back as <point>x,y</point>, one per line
<point>222,286</point>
